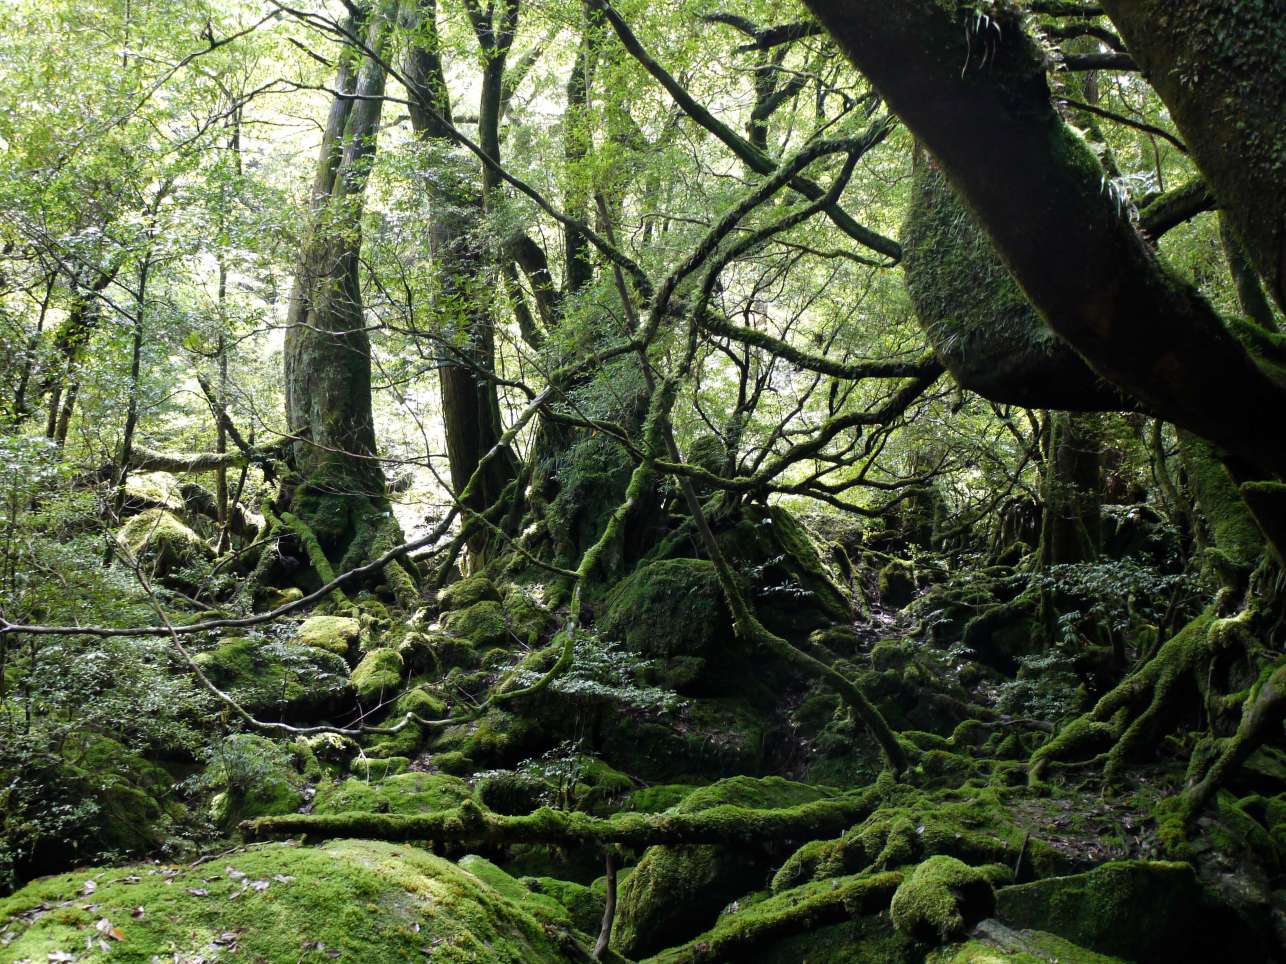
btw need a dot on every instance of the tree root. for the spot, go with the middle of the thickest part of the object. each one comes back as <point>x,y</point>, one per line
<point>470,824</point>
<point>1182,676</point>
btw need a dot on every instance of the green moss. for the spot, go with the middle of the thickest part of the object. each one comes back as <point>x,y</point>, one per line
<point>257,777</point>
<point>378,676</point>
<point>468,592</point>
<point>526,618</point>
<point>483,625</point>
<point>367,768</point>
<point>539,906</point>
<point>940,899</point>
<point>677,891</point>
<point>1141,910</point>
<point>271,678</point>
<point>743,934</point>
<point>160,541</point>
<point>355,900</point>
<point>584,905</point>
<point>335,634</point>
<point>672,611</point>
<point>897,584</point>
<point>400,793</point>
<point>423,703</point>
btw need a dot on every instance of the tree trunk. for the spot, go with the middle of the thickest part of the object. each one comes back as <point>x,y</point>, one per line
<point>327,349</point>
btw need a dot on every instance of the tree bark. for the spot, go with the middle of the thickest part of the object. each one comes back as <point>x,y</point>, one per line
<point>1039,192</point>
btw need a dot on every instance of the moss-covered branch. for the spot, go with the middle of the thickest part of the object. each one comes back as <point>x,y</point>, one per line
<point>470,824</point>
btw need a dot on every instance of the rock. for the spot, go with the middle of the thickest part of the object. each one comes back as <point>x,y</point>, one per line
<point>1137,909</point>
<point>584,905</point>
<point>378,676</point>
<point>525,617</point>
<point>467,592</point>
<point>265,677</point>
<point>352,900</point>
<point>897,584</point>
<point>400,793</point>
<point>540,906</point>
<point>258,776</point>
<point>676,892</point>
<point>941,899</point>
<point>483,625</point>
<point>162,543</point>
<point>335,634</point>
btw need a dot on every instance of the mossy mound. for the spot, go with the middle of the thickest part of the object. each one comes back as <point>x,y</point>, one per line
<point>483,625</point>
<point>284,680</point>
<point>350,900</point>
<point>162,542</point>
<point>672,611</point>
<point>259,777</point>
<point>897,584</point>
<point>540,906</point>
<point>584,905</point>
<point>335,634</point>
<point>378,676</point>
<point>941,899</point>
<point>399,793</point>
<point>676,892</point>
<point>468,591</point>
<point>1136,909</point>
<point>527,619</point>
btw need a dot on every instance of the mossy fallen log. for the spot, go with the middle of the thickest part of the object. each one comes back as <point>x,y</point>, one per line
<point>471,824</point>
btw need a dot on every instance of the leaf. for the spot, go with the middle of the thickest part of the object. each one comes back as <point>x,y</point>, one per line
<point>198,892</point>
<point>88,887</point>
<point>259,885</point>
<point>138,912</point>
<point>104,926</point>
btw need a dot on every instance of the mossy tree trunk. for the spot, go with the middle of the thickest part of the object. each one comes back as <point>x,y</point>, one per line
<point>339,487</point>
<point>1220,68</point>
<point>464,312</point>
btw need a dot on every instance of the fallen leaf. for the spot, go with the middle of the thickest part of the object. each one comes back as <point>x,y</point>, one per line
<point>88,887</point>
<point>138,912</point>
<point>104,926</point>
<point>198,892</point>
<point>282,878</point>
<point>259,885</point>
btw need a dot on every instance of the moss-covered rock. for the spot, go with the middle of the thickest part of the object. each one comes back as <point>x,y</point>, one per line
<point>335,634</point>
<point>399,793</point>
<point>584,905</point>
<point>940,899</point>
<point>1137,909</point>
<point>162,542</point>
<point>540,906</point>
<point>527,619</point>
<point>276,679</point>
<point>255,777</point>
<point>467,592</point>
<point>483,625</point>
<point>672,611</point>
<point>676,892</point>
<point>350,900</point>
<point>378,676</point>
<point>897,584</point>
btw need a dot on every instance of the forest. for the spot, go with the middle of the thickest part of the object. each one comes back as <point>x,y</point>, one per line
<point>599,480</point>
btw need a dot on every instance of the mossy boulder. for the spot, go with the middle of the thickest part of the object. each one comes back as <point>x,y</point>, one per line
<point>352,900</point>
<point>676,892</point>
<point>897,584</point>
<point>941,899</point>
<point>527,619</point>
<point>540,906</point>
<point>335,634</point>
<point>256,777</point>
<point>467,592</point>
<point>1137,909</point>
<point>584,905</point>
<point>276,679</point>
<point>162,542</point>
<point>414,792</point>
<point>378,676</point>
<point>483,625</point>
<point>672,611</point>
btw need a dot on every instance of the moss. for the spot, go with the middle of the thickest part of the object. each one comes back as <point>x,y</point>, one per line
<point>676,891</point>
<point>160,541</point>
<point>400,793</point>
<point>378,676</point>
<point>354,900</point>
<point>335,634</point>
<point>940,899</point>
<point>584,905</point>
<point>468,592</point>
<point>673,612</point>
<point>510,792</point>
<point>453,762</point>
<point>439,652</point>
<point>496,738</point>
<point>742,935</point>
<point>423,703</point>
<point>297,682</point>
<point>134,796</point>
<point>367,768</point>
<point>483,625</point>
<point>540,906</point>
<point>259,777</point>
<point>870,939</point>
<point>897,584</point>
<point>527,619</point>
<point>1141,910</point>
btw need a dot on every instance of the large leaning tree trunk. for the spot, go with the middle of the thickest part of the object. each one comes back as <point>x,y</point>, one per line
<point>464,303</point>
<point>338,505</point>
<point>1220,67</point>
<point>975,91</point>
